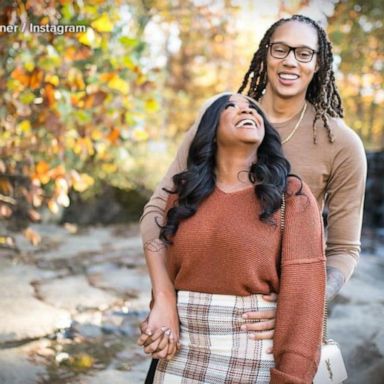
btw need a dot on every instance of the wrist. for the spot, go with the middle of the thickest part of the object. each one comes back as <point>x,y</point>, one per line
<point>169,294</point>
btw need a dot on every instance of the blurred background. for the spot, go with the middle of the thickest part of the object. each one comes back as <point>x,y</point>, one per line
<point>95,97</point>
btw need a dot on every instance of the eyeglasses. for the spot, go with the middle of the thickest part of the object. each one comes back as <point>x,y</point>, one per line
<point>281,51</point>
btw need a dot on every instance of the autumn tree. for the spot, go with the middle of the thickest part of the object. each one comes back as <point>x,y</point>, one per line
<point>356,30</point>
<point>73,105</point>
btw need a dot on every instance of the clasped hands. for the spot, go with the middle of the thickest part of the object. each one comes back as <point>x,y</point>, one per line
<point>160,336</point>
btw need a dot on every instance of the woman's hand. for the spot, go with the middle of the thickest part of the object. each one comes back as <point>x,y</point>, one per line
<point>264,329</point>
<point>160,331</point>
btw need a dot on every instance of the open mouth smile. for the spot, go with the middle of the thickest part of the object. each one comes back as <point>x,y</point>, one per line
<point>288,76</point>
<point>246,123</point>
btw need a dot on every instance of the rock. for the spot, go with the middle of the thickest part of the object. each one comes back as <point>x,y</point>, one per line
<point>74,293</point>
<point>122,280</point>
<point>88,331</point>
<point>117,377</point>
<point>15,368</point>
<point>23,316</point>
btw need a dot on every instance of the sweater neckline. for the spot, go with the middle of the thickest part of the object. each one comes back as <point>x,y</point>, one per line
<point>247,188</point>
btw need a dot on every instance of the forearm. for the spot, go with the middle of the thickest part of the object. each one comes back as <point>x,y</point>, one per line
<point>343,255</point>
<point>335,281</point>
<point>155,255</point>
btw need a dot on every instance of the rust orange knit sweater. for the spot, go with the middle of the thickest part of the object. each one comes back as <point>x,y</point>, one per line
<point>225,248</point>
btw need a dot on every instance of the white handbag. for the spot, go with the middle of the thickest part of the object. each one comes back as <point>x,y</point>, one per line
<point>331,369</point>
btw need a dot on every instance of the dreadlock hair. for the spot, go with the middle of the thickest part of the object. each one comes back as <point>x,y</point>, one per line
<point>268,174</point>
<point>322,91</point>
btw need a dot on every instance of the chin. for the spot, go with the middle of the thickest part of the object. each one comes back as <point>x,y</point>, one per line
<point>288,93</point>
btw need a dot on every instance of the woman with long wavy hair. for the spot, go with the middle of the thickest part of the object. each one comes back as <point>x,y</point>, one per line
<point>225,248</point>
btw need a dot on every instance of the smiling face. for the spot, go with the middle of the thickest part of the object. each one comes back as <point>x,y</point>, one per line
<point>289,77</point>
<point>240,123</point>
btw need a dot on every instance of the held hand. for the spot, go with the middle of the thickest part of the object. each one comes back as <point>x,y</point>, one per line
<point>167,347</point>
<point>264,329</point>
<point>160,332</point>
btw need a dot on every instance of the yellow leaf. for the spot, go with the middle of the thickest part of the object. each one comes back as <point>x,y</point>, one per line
<point>53,207</point>
<point>139,134</point>
<point>29,66</point>
<point>119,84</point>
<point>53,79</point>
<point>81,182</point>
<point>103,23</point>
<point>24,126</point>
<point>90,38</point>
<point>109,167</point>
<point>96,134</point>
<point>151,105</point>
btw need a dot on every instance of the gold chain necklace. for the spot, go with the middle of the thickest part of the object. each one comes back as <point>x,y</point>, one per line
<point>289,137</point>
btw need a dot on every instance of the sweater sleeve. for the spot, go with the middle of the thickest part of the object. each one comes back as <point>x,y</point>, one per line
<point>300,306</point>
<point>345,198</point>
<point>154,210</point>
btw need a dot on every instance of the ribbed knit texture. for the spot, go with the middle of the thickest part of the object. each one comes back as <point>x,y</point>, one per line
<point>337,169</point>
<point>225,248</point>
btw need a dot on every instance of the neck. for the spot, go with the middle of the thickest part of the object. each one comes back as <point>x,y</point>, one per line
<point>232,166</point>
<point>280,109</point>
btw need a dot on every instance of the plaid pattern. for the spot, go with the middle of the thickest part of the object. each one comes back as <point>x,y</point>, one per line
<point>213,348</point>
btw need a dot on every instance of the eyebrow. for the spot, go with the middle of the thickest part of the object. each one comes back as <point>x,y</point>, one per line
<point>298,46</point>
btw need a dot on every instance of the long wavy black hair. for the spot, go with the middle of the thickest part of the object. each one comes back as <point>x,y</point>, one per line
<point>322,92</point>
<point>268,174</point>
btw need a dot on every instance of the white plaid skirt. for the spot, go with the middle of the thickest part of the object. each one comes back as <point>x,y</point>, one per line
<point>213,347</point>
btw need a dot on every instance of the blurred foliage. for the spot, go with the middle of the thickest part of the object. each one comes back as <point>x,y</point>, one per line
<point>73,106</point>
<point>357,32</point>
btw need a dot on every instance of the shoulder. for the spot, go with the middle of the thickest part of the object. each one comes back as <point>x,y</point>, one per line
<point>345,137</point>
<point>298,195</point>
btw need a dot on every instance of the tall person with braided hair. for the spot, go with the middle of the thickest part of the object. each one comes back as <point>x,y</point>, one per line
<point>292,79</point>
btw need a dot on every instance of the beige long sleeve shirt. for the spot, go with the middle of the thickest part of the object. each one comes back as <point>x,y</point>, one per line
<point>335,173</point>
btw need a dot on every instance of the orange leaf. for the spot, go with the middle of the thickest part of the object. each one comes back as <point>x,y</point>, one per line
<point>107,76</point>
<point>42,167</point>
<point>114,135</point>
<point>50,94</point>
<point>36,78</point>
<point>33,237</point>
<point>20,75</point>
<point>6,187</point>
<point>89,101</point>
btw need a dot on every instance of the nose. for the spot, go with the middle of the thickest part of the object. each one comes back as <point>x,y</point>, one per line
<point>246,109</point>
<point>290,60</point>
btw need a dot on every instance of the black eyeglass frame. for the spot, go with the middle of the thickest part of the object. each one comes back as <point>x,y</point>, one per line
<point>270,45</point>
